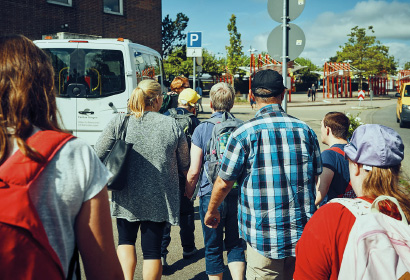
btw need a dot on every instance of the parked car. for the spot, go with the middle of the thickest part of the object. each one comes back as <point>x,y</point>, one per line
<point>403,105</point>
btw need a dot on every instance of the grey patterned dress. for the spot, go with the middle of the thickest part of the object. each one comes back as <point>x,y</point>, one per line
<point>160,150</point>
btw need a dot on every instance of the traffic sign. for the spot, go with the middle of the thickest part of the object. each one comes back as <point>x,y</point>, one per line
<point>194,40</point>
<point>361,95</point>
<point>275,9</point>
<point>296,39</point>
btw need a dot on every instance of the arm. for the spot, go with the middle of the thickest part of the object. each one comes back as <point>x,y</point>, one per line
<point>194,170</point>
<point>94,235</point>
<point>323,184</point>
<point>219,192</point>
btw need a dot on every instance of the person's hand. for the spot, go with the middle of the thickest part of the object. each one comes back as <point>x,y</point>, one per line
<point>212,219</point>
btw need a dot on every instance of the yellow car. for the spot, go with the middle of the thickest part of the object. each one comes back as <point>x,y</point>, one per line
<point>403,105</point>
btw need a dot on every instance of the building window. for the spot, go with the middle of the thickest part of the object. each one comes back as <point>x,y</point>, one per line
<point>113,7</point>
<point>61,2</point>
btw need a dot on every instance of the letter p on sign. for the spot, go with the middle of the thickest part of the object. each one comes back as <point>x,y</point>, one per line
<point>194,40</point>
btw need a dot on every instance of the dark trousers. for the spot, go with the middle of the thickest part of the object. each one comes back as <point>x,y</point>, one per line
<point>187,228</point>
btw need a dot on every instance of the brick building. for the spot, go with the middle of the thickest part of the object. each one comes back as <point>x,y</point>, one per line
<point>137,20</point>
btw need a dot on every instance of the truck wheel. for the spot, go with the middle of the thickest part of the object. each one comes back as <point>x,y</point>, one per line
<point>402,124</point>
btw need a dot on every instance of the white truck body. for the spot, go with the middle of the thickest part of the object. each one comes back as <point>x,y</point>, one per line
<point>94,79</point>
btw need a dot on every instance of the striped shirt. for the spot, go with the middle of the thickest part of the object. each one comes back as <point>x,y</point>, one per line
<point>275,158</point>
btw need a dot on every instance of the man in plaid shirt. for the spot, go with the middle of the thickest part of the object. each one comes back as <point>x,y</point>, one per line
<point>276,160</point>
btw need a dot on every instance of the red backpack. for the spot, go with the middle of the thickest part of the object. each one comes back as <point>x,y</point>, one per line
<point>25,252</point>
<point>349,192</point>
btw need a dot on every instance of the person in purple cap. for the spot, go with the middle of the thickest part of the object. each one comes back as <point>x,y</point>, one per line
<point>375,153</point>
<point>275,159</point>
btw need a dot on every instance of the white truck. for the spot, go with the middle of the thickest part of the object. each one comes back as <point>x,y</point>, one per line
<point>94,79</point>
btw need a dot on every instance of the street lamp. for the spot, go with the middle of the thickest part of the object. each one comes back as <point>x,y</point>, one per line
<point>251,50</point>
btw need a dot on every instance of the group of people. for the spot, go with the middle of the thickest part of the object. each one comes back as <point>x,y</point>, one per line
<point>264,201</point>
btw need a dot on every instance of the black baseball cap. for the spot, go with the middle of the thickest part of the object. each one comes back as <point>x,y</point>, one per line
<point>268,79</point>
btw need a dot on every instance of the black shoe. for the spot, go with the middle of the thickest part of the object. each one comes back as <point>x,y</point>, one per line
<point>187,255</point>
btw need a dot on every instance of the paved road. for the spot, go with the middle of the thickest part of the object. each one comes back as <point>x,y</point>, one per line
<point>380,110</point>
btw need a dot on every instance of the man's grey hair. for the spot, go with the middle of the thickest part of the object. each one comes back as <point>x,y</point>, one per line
<point>261,92</point>
<point>222,97</point>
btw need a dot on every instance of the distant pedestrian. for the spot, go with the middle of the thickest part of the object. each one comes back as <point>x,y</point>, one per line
<point>69,196</point>
<point>252,101</point>
<point>313,92</point>
<point>199,90</point>
<point>151,197</point>
<point>275,159</point>
<point>309,93</point>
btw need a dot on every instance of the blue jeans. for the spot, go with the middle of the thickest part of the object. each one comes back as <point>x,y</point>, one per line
<point>214,238</point>
<point>187,227</point>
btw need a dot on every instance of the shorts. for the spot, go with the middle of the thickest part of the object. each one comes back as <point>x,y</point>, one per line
<point>151,236</point>
<point>261,267</point>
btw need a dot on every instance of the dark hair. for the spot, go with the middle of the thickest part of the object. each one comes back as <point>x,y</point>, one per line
<point>27,93</point>
<point>339,124</point>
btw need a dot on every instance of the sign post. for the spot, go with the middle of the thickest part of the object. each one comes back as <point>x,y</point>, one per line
<point>194,49</point>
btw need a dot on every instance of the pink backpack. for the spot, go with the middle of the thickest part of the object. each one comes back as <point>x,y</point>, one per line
<point>378,246</point>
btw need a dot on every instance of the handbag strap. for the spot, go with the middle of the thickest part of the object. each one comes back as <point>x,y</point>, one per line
<point>123,129</point>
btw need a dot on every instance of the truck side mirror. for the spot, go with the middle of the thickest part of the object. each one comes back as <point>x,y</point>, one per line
<point>398,94</point>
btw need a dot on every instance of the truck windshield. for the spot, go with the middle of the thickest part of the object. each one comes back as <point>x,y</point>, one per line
<point>101,72</point>
<point>407,91</point>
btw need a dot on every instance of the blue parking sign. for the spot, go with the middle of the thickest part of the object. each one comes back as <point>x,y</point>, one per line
<point>194,40</point>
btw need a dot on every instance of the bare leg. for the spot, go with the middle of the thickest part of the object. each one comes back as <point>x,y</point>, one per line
<point>216,276</point>
<point>152,270</point>
<point>128,260</point>
<point>237,270</point>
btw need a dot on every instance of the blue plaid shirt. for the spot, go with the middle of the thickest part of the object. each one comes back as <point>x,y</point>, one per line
<point>275,158</point>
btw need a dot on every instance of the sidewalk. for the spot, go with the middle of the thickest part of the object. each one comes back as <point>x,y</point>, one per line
<point>299,99</point>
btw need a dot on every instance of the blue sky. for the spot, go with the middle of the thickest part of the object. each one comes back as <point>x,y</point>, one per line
<point>325,23</point>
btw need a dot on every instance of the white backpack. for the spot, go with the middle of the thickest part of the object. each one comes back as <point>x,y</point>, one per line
<point>378,246</point>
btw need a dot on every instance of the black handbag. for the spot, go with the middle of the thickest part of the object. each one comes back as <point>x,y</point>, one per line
<point>116,159</point>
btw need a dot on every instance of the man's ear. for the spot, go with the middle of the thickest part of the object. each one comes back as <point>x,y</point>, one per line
<point>282,96</point>
<point>328,130</point>
<point>210,104</point>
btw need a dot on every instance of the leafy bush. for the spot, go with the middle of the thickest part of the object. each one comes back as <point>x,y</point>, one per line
<point>355,122</point>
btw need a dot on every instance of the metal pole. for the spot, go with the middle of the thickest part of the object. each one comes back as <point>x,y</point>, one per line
<point>284,51</point>
<point>193,80</point>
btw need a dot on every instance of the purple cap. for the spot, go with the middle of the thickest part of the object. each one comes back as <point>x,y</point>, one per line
<point>375,145</point>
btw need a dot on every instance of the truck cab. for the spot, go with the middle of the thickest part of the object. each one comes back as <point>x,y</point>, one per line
<point>94,79</point>
<point>403,105</point>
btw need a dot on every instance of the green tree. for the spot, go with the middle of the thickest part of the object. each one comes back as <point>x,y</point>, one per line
<point>407,66</point>
<point>177,63</point>
<point>366,54</point>
<point>234,50</point>
<point>306,74</point>
<point>172,32</point>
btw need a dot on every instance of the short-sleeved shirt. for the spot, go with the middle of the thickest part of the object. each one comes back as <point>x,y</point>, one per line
<point>275,158</point>
<point>340,166</point>
<point>200,138</point>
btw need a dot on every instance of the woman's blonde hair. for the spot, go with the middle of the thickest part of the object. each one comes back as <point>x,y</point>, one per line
<point>27,95</point>
<point>385,181</point>
<point>142,96</point>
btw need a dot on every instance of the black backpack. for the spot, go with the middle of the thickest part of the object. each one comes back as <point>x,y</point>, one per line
<point>185,122</point>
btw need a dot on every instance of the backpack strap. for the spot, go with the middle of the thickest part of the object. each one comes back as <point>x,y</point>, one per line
<point>349,187</point>
<point>356,206</point>
<point>17,174</point>
<point>172,112</point>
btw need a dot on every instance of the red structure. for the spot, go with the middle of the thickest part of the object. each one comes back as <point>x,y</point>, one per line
<point>378,84</point>
<point>403,77</point>
<point>337,79</point>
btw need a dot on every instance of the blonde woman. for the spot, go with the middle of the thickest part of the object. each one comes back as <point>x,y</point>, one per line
<point>151,196</point>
